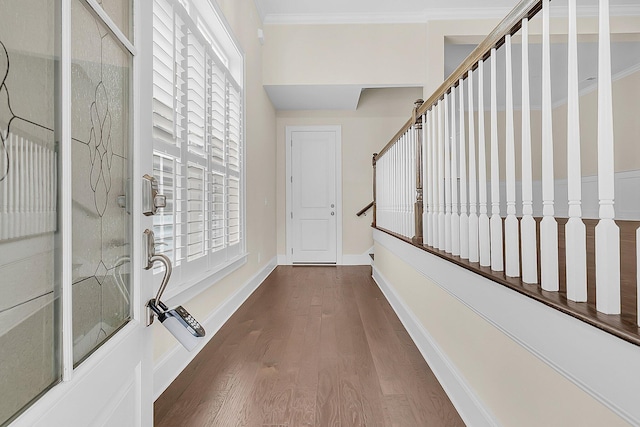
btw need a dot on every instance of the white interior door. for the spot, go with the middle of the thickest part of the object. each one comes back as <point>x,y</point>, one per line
<point>102,347</point>
<point>314,196</point>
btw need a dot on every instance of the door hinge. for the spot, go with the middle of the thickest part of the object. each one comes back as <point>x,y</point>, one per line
<point>292,179</point>
<point>291,251</point>
<point>291,215</point>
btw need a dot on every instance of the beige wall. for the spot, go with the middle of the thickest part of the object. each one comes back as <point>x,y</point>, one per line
<point>368,54</point>
<point>260,173</point>
<point>516,386</point>
<point>365,131</point>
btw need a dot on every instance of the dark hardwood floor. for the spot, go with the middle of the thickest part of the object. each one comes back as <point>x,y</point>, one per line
<point>313,346</point>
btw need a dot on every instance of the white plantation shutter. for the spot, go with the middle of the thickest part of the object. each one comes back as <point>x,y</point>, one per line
<point>217,211</point>
<point>163,84</point>
<point>167,223</point>
<point>217,85</point>
<point>234,111</point>
<point>196,96</point>
<point>198,140</point>
<point>233,207</point>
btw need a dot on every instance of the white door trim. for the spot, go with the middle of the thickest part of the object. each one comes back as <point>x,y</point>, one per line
<point>289,190</point>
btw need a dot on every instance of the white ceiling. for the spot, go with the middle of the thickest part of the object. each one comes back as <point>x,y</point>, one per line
<point>280,11</point>
<point>346,97</point>
<point>367,11</point>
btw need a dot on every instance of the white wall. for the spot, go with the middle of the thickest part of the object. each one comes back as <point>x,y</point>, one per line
<point>368,54</point>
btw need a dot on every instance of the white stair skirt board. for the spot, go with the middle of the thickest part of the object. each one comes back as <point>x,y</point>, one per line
<point>177,359</point>
<point>466,402</point>
<point>615,383</point>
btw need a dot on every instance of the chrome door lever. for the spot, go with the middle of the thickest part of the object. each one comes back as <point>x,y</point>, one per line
<point>150,258</point>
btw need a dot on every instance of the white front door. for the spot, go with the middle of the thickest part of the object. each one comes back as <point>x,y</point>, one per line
<point>314,196</point>
<point>101,346</point>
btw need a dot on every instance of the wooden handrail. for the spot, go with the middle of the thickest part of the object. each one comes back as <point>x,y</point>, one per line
<point>509,25</point>
<point>363,210</point>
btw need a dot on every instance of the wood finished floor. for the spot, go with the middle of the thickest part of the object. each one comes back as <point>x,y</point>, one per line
<point>313,346</point>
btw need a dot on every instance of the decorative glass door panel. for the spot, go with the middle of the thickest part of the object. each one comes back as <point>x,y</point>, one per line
<point>29,232</point>
<point>120,11</point>
<point>100,80</point>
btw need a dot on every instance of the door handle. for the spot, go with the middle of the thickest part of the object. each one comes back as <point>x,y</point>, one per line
<point>184,327</point>
<point>333,213</point>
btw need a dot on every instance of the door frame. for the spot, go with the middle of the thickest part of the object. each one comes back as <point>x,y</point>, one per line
<point>337,129</point>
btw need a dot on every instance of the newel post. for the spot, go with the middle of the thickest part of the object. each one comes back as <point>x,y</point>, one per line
<point>418,238</point>
<point>373,163</point>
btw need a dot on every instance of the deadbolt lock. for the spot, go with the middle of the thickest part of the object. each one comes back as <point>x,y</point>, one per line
<point>151,200</point>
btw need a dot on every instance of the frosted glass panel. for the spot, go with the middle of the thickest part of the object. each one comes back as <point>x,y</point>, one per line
<point>101,134</point>
<point>29,291</point>
<point>120,12</point>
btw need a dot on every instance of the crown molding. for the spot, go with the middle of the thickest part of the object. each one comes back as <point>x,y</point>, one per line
<point>439,14</point>
<point>385,18</point>
<point>261,12</point>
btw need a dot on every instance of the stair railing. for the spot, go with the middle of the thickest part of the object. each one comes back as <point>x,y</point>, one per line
<point>434,187</point>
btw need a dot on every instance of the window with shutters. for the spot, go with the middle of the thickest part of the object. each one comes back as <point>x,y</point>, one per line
<point>198,137</point>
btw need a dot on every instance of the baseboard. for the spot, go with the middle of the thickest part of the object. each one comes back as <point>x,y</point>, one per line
<point>176,359</point>
<point>347,259</point>
<point>362,259</point>
<point>466,402</point>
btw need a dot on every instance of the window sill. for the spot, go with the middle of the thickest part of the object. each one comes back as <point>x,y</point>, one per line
<point>185,291</point>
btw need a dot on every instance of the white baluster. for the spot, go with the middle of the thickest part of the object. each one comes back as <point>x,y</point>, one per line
<point>425,182</point>
<point>512,239</point>
<point>464,218</point>
<point>11,186</point>
<point>412,181</point>
<point>497,262</point>
<point>31,178</point>
<point>527,223</point>
<point>429,179</point>
<point>23,188</point>
<point>607,232</point>
<point>473,203</point>
<point>455,217</point>
<point>441,190</point>
<point>54,189</point>
<point>447,176</point>
<point>4,184</point>
<point>396,189</point>
<point>484,236</point>
<point>548,226</point>
<point>434,171</point>
<point>575,231</point>
<point>390,192</point>
<point>404,172</point>
<point>38,196</point>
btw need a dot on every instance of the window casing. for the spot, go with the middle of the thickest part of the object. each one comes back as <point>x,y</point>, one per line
<point>198,137</point>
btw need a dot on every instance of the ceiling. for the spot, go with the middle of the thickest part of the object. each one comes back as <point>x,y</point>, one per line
<point>346,97</point>
<point>368,11</point>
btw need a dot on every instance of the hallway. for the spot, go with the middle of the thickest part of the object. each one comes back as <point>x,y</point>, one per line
<point>313,346</point>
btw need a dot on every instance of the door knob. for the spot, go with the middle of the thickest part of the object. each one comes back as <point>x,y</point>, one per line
<point>333,213</point>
